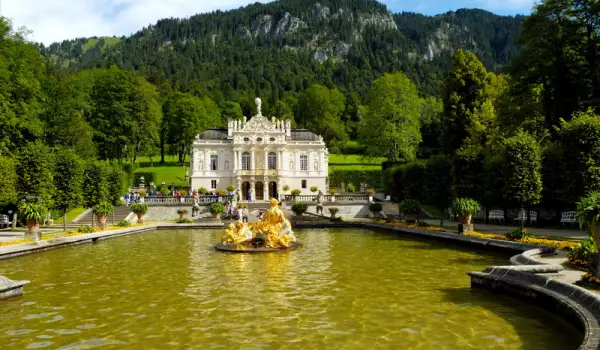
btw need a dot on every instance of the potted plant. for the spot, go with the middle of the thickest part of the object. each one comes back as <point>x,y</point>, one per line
<point>230,189</point>
<point>410,208</point>
<point>216,209</point>
<point>102,210</point>
<point>202,190</point>
<point>350,188</point>
<point>314,189</point>
<point>143,195</point>
<point>299,208</point>
<point>221,192</point>
<point>333,212</point>
<point>588,215</point>
<point>296,192</point>
<point>182,213</point>
<point>286,188</point>
<point>34,214</point>
<point>139,209</point>
<point>375,209</point>
<point>466,208</point>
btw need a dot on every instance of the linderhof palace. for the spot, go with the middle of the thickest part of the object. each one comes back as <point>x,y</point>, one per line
<point>259,154</point>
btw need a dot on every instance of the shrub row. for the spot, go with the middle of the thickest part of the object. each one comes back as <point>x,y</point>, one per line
<point>340,178</point>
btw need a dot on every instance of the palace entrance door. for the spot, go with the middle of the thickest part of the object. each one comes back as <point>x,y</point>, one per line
<point>259,190</point>
<point>273,190</point>
<point>245,188</point>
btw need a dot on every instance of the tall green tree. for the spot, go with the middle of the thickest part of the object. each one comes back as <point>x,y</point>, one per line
<point>95,184</point>
<point>185,116</point>
<point>466,106</point>
<point>21,95</point>
<point>146,113</point>
<point>390,124</point>
<point>68,181</point>
<point>560,55</point>
<point>8,185</point>
<point>320,110</point>
<point>521,169</point>
<point>35,177</point>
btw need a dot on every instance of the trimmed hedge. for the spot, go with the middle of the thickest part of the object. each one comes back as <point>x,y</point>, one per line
<point>338,178</point>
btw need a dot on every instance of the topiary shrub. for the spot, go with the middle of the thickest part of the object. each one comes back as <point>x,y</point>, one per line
<point>183,193</point>
<point>299,208</point>
<point>518,234</point>
<point>286,188</point>
<point>350,188</point>
<point>314,189</point>
<point>202,190</point>
<point>143,193</point>
<point>103,209</point>
<point>332,191</point>
<point>182,213</point>
<point>296,192</point>
<point>139,209</point>
<point>221,192</point>
<point>217,208</point>
<point>230,188</point>
<point>86,229</point>
<point>123,223</point>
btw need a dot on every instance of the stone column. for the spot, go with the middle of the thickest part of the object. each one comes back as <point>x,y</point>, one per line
<point>280,160</point>
<point>266,163</point>
<point>252,164</point>
<point>252,188</point>
<point>266,188</point>
<point>206,161</point>
<point>235,160</point>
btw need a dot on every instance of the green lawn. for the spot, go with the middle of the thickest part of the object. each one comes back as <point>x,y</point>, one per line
<point>71,215</point>
<point>347,160</point>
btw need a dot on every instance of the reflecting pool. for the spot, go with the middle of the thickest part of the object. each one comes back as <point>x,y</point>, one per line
<point>346,289</point>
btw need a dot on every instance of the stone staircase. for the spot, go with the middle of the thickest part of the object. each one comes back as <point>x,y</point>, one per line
<point>120,214</point>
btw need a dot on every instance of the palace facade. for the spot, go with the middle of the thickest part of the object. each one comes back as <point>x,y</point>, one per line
<point>259,156</point>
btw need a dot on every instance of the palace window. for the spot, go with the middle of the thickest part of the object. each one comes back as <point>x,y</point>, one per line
<point>304,184</point>
<point>246,139</point>
<point>246,161</point>
<point>303,162</point>
<point>259,139</point>
<point>272,161</point>
<point>214,162</point>
<point>272,139</point>
<point>213,184</point>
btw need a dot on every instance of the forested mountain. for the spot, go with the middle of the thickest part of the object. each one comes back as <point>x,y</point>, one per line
<point>286,46</point>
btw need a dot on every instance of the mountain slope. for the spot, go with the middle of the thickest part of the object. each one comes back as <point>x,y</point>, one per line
<point>284,46</point>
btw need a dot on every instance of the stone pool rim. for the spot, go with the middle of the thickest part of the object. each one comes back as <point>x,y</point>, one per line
<point>521,280</point>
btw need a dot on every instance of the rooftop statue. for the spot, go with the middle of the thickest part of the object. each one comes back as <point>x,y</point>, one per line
<point>272,232</point>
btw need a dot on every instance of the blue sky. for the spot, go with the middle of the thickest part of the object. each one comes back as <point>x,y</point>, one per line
<point>57,20</point>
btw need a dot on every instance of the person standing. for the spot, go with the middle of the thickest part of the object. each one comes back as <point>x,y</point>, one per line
<point>249,195</point>
<point>240,213</point>
<point>127,199</point>
<point>245,214</point>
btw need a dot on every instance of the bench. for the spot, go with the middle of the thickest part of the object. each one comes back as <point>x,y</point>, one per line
<point>4,221</point>
<point>496,216</point>
<point>521,217</point>
<point>568,217</point>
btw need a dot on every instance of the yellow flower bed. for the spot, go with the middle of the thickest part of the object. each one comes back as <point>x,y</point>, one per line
<point>564,245</point>
<point>401,224</point>
<point>21,241</point>
<point>588,277</point>
<point>486,235</point>
<point>578,263</point>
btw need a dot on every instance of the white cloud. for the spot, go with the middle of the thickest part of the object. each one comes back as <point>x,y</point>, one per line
<point>57,20</point>
<point>507,5</point>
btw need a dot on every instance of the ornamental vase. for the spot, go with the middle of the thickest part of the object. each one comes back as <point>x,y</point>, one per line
<point>466,219</point>
<point>140,217</point>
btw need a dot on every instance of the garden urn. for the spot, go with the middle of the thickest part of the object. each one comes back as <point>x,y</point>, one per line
<point>466,219</point>
<point>140,218</point>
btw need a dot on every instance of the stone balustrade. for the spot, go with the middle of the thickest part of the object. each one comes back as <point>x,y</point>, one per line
<point>340,198</point>
<point>188,200</point>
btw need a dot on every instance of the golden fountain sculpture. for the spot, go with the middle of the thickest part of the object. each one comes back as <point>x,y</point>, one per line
<point>272,232</point>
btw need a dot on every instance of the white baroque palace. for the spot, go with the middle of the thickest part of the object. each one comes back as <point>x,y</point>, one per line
<point>259,156</point>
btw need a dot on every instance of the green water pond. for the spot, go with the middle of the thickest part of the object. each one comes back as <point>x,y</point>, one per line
<point>345,289</point>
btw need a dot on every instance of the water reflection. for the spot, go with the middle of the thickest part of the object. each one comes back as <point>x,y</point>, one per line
<point>349,288</point>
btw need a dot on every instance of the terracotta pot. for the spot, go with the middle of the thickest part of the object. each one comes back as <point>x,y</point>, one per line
<point>101,219</point>
<point>466,219</point>
<point>217,216</point>
<point>140,219</point>
<point>32,226</point>
<point>182,216</point>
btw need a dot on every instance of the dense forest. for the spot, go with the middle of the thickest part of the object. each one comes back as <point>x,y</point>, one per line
<point>469,104</point>
<point>283,47</point>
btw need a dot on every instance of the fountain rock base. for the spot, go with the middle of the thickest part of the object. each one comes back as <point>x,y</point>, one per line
<point>10,288</point>
<point>253,248</point>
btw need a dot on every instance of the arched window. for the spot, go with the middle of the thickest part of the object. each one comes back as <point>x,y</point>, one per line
<point>272,161</point>
<point>226,165</point>
<point>246,161</point>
